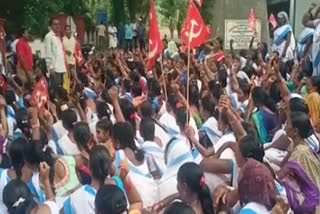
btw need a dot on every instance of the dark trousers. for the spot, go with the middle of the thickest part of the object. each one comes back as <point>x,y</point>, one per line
<point>129,44</point>
<point>142,44</point>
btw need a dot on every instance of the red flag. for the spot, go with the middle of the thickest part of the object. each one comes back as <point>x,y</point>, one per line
<point>40,94</point>
<point>199,2</point>
<point>253,20</point>
<point>195,30</point>
<point>273,20</point>
<point>78,54</point>
<point>155,41</point>
<point>3,83</point>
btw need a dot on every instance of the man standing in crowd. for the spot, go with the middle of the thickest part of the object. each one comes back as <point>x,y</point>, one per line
<point>121,35</point>
<point>141,34</point>
<point>101,29</point>
<point>55,56</point>
<point>24,57</point>
<point>112,31</point>
<point>128,28</point>
<point>69,43</point>
<point>135,34</point>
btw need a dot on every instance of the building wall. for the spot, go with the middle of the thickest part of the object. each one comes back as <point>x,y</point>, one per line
<point>239,9</point>
<point>301,6</point>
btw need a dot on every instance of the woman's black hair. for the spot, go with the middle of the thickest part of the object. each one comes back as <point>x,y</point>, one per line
<point>215,89</point>
<point>298,105</point>
<point>192,175</point>
<point>99,163</point>
<point>209,104</point>
<point>261,98</point>
<point>147,110</point>
<point>244,86</point>
<point>249,70</point>
<point>222,77</point>
<point>17,155</point>
<point>36,152</point>
<point>82,135</point>
<point>275,92</point>
<point>10,97</point>
<point>147,129</point>
<point>194,94</point>
<point>251,147</point>
<point>23,122</point>
<point>69,118</point>
<point>128,110</point>
<point>124,134</point>
<point>172,101</point>
<point>179,208</point>
<point>181,117</point>
<point>315,81</point>
<point>301,121</point>
<point>103,110</point>
<point>84,79</point>
<point>104,124</point>
<point>136,89</point>
<point>264,51</point>
<point>127,85</point>
<point>220,40</point>
<point>154,88</point>
<point>17,190</point>
<point>110,199</point>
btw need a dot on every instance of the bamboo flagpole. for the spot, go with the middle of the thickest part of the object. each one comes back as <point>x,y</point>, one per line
<point>188,80</point>
<point>163,79</point>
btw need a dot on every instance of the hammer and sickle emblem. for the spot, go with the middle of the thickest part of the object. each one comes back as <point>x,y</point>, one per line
<point>193,34</point>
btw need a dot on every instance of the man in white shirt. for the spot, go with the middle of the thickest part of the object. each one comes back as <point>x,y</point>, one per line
<point>113,40</point>
<point>69,43</point>
<point>101,30</point>
<point>55,55</point>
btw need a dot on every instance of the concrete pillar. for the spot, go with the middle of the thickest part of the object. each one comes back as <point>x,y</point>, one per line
<point>239,9</point>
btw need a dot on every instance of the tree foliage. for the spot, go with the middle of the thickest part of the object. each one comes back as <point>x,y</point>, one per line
<point>38,12</point>
<point>176,11</point>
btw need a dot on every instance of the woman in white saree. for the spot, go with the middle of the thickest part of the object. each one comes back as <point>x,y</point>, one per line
<point>283,41</point>
<point>314,22</point>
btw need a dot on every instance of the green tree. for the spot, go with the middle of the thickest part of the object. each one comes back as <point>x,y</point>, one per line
<point>38,12</point>
<point>176,11</point>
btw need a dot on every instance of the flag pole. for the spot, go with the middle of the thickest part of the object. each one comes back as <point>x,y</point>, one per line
<point>163,79</point>
<point>188,76</point>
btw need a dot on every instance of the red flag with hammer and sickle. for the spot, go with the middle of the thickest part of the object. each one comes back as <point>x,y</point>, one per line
<point>273,21</point>
<point>155,41</point>
<point>78,54</point>
<point>253,21</point>
<point>195,30</point>
<point>40,94</point>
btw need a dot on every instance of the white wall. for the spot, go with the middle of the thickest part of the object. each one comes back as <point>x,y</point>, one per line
<point>301,7</point>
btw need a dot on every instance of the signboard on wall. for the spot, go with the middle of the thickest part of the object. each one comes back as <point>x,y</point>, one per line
<point>239,30</point>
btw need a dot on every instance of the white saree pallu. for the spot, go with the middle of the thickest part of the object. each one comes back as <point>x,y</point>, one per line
<point>154,149</point>
<point>141,179</point>
<point>177,154</point>
<point>306,34</point>
<point>35,188</point>
<point>210,128</point>
<point>316,48</point>
<point>81,201</point>
<point>279,43</point>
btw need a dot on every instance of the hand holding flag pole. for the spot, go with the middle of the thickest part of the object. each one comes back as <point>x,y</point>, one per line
<point>193,34</point>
